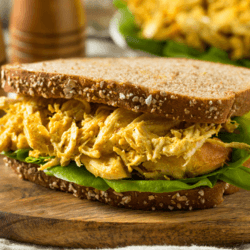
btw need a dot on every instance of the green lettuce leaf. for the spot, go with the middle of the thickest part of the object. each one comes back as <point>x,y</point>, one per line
<point>242,134</point>
<point>168,48</point>
<point>71,173</point>
<point>132,38</point>
<point>23,155</point>
<point>119,4</point>
<point>78,175</point>
<point>174,49</point>
<point>245,63</point>
<point>39,161</point>
<point>216,55</point>
<point>238,176</point>
<point>156,186</point>
<point>20,154</point>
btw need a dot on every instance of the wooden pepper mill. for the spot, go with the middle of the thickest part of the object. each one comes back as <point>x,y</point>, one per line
<point>2,47</point>
<point>45,29</point>
<point>2,61</point>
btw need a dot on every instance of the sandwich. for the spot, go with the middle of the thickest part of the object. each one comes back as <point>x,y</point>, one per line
<point>205,30</point>
<point>139,133</point>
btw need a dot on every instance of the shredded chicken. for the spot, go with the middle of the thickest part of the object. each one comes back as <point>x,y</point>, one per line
<point>223,24</point>
<point>109,142</point>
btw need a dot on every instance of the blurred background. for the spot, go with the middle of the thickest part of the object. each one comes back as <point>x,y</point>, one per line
<point>99,12</point>
<point>212,30</point>
<point>98,15</point>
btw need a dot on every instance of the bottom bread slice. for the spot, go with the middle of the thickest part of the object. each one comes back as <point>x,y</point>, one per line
<point>198,198</point>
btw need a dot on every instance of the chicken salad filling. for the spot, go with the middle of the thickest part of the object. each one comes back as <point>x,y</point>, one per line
<point>111,142</point>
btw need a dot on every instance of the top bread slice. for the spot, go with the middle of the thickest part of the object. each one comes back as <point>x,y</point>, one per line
<point>183,89</point>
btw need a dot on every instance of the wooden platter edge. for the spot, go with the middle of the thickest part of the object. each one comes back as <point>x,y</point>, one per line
<point>91,234</point>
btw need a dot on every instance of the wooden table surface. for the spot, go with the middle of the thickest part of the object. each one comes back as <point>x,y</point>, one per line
<point>34,214</point>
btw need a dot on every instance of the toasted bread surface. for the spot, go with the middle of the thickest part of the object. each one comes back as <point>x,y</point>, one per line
<point>198,198</point>
<point>230,189</point>
<point>183,89</point>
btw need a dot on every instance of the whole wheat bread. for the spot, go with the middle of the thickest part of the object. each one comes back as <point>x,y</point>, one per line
<point>198,198</point>
<point>183,89</point>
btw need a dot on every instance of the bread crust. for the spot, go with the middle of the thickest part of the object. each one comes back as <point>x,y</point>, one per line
<point>230,189</point>
<point>40,81</point>
<point>198,198</point>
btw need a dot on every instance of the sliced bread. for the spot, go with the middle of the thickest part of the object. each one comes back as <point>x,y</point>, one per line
<point>198,198</point>
<point>183,89</point>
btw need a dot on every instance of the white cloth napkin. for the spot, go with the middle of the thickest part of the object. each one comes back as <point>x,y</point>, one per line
<point>11,245</point>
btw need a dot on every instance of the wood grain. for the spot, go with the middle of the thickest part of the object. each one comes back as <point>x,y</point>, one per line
<point>47,17</point>
<point>2,61</point>
<point>46,29</point>
<point>2,47</point>
<point>48,40</point>
<point>20,57</point>
<point>31,213</point>
<point>49,51</point>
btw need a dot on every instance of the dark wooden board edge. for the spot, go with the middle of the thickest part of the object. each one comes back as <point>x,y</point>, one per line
<point>80,234</point>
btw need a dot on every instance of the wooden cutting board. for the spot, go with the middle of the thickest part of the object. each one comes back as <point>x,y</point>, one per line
<point>34,214</point>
